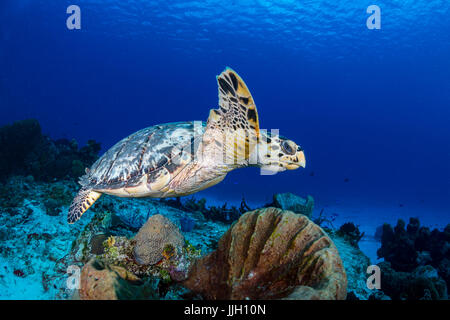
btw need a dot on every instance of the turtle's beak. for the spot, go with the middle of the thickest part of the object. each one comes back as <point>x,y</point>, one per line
<point>301,159</point>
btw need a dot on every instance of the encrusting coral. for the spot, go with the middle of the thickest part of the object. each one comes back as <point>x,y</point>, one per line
<point>270,254</point>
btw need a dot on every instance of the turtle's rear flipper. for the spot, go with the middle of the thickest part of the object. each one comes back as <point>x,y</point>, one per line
<point>82,202</point>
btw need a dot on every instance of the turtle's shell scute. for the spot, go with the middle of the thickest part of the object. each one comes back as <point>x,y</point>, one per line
<point>140,153</point>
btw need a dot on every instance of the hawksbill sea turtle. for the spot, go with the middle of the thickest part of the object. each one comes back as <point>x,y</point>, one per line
<point>178,159</point>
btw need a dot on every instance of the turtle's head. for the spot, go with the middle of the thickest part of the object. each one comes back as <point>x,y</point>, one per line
<point>276,153</point>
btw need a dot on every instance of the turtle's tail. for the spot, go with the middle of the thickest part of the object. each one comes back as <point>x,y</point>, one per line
<point>82,202</point>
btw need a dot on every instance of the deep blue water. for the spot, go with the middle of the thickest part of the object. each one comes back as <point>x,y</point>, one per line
<point>370,106</point>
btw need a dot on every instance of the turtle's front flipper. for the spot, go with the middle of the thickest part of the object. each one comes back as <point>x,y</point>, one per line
<point>233,129</point>
<point>82,202</point>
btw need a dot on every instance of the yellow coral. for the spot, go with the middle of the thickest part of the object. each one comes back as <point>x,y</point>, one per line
<point>168,251</point>
<point>110,242</point>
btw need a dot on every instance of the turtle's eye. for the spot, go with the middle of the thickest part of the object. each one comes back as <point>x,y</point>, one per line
<point>287,148</point>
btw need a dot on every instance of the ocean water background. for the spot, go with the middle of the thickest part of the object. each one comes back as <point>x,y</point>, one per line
<point>371,108</point>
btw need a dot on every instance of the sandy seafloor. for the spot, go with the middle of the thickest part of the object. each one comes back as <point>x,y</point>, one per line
<point>35,257</point>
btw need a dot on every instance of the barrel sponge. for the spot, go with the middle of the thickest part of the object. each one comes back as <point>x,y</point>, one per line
<point>270,253</point>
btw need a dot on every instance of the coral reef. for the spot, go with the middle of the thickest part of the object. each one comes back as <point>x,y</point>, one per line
<point>13,192</point>
<point>269,254</point>
<point>134,219</point>
<point>397,247</point>
<point>292,202</point>
<point>223,213</point>
<point>173,266</point>
<point>416,245</point>
<point>378,233</point>
<point>213,213</point>
<point>350,232</point>
<point>24,150</point>
<point>355,265</point>
<point>102,239</point>
<point>157,237</point>
<point>325,220</point>
<point>409,252</point>
<point>423,283</point>
<point>35,251</point>
<point>192,205</point>
<point>16,142</point>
